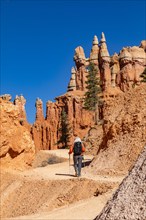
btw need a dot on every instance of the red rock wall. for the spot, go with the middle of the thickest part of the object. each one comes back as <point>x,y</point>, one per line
<point>118,74</point>
<point>17,148</point>
<point>45,133</point>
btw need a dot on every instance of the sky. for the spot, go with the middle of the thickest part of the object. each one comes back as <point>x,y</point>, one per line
<point>38,39</point>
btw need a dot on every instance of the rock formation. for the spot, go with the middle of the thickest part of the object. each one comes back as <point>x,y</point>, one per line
<point>16,148</point>
<point>72,83</point>
<point>94,54</point>
<point>115,69</point>
<point>81,72</point>
<point>20,102</point>
<point>118,74</point>
<point>124,132</point>
<point>128,202</point>
<point>132,64</point>
<point>39,110</point>
<point>105,72</point>
<point>45,132</point>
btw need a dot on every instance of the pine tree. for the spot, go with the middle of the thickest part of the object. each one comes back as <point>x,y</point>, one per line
<point>143,75</point>
<point>93,89</point>
<point>64,129</point>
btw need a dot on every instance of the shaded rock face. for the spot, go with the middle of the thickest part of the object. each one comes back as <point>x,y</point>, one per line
<point>124,132</point>
<point>129,200</point>
<point>17,147</point>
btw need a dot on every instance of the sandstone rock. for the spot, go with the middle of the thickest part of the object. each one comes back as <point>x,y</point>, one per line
<point>6,97</point>
<point>104,54</point>
<point>118,74</point>
<point>104,57</point>
<point>128,202</point>
<point>132,64</point>
<point>39,110</point>
<point>94,51</point>
<point>81,72</point>
<point>72,83</point>
<point>79,56</point>
<point>143,45</point>
<point>93,139</point>
<point>45,132</point>
<point>115,68</point>
<point>123,132</point>
<point>17,148</point>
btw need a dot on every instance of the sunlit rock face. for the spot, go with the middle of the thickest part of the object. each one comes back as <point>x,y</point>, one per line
<point>128,202</point>
<point>132,64</point>
<point>17,148</point>
<point>118,73</point>
<point>45,132</point>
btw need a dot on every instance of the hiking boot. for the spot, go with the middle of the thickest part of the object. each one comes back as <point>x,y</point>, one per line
<point>76,174</point>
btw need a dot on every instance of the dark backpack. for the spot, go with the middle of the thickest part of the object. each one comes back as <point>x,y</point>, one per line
<point>77,148</point>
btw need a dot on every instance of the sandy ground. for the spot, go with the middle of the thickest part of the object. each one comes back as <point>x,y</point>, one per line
<point>51,192</point>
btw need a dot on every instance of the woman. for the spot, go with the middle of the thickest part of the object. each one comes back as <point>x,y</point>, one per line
<point>77,149</point>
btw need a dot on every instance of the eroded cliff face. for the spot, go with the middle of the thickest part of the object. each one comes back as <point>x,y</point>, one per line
<point>17,148</point>
<point>45,131</point>
<point>124,132</point>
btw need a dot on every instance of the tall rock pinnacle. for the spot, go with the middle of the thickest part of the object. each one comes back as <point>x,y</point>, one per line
<point>20,101</point>
<point>72,83</point>
<point>80,61</point>
<point>79,56</point>
<point>102,38</point>
<point>39,110</point>
<point>105,72</point>
<point>103,48</point>
<point>95,40</point>
<point>94,51</point>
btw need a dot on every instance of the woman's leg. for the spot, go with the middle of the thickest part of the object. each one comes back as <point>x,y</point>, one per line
<point>75,164</point>
<point>79,165</point>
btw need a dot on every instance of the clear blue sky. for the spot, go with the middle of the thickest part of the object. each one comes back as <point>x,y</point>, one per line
<point>38,38</point>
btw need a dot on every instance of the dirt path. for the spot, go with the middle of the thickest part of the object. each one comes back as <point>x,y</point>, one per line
<point>86,209</point>
<point>52,192</point>
<point>65,170</point>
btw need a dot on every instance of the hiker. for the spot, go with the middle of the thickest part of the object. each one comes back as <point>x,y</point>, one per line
<point>77,149</point>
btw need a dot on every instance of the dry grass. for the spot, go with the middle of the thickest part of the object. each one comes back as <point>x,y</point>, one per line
<point>42,159</point>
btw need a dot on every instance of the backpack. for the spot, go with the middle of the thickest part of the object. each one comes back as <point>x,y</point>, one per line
<point>77,148</point>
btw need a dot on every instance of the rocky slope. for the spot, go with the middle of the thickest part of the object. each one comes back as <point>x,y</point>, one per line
<point>17,148</point>
<point>128,201</point>
<point>124,132</point>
